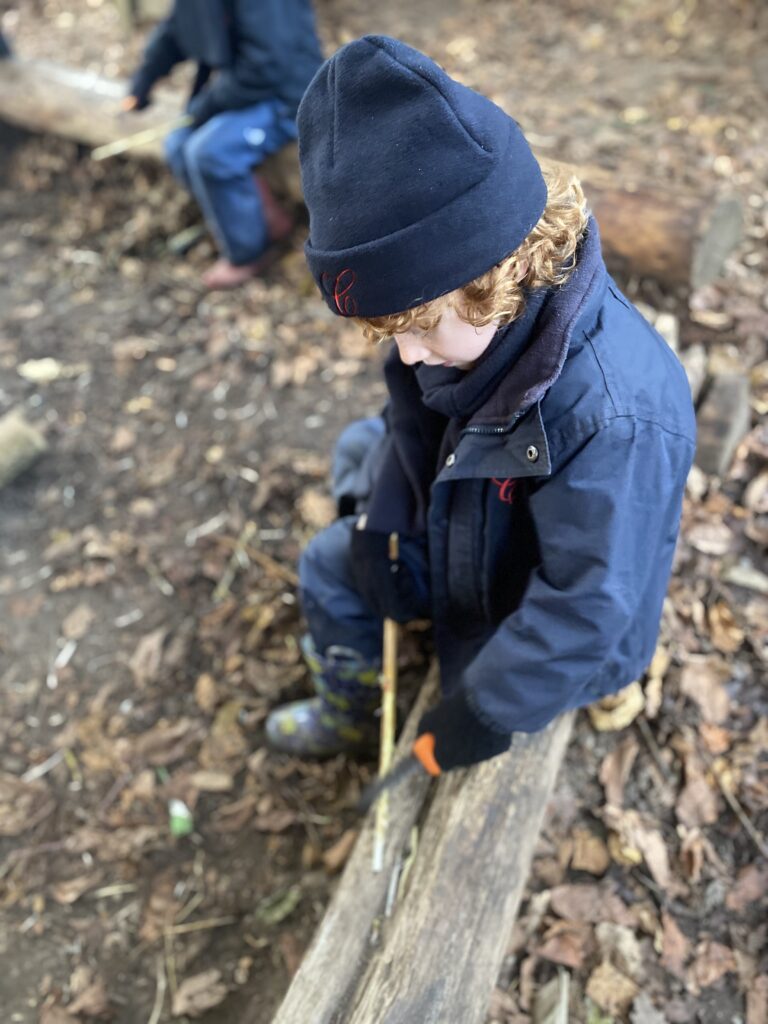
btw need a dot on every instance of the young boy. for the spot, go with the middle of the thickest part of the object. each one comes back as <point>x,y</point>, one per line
<point>255,59</point>
<point>538,435</point>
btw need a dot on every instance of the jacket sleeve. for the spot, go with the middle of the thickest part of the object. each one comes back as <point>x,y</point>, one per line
<point>605,521</point>
<point>161,54</point>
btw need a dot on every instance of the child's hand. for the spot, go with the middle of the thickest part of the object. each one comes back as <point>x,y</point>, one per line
<point>133,103</point>
<point>451,736</point>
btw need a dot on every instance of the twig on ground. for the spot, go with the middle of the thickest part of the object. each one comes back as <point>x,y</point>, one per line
<point>170,962</point>
<point>43,768</point>
<point>664,780</point>
<point>157,1009</point>
<point>663,898</point>
<point>733,802</point>
<point>114,791</point>
<point>189,908</point>
<point>272,567</point>
<point>237,561</point>
<point>199,926</point>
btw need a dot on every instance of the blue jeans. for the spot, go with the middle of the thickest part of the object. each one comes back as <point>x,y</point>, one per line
<point>335,612</point>
<point>216,161</point>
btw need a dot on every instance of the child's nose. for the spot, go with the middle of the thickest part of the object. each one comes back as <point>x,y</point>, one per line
<point>411,351</point>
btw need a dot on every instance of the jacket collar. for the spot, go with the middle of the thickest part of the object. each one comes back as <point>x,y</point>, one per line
<point>539,366</point>
<point>506,438</point>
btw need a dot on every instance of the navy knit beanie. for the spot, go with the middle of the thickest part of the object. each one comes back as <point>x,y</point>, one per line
<point>415,184</point>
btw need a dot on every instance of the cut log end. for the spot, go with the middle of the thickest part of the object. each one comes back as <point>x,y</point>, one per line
<point>21,444</point>
<point>721,234</point>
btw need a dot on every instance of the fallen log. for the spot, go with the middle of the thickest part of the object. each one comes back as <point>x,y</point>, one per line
<point>52,99</point>
<point>437,956</point>
<point>21,444</point>
<point>672,236</point>
<point>675,237</point>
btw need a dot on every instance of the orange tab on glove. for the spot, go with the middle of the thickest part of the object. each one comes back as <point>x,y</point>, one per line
<point>452,736</point>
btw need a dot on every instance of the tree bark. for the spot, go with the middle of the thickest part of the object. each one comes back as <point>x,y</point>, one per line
<point>677,238</point>
<point>437,957</point>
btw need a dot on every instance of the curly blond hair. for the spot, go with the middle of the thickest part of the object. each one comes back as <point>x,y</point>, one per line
<point>546,258</point>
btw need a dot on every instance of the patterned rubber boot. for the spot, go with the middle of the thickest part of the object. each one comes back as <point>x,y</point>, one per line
<point>340,719</point>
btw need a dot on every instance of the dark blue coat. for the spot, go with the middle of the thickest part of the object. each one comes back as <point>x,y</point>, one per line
<point>259,50</point>
<point>553,518</point>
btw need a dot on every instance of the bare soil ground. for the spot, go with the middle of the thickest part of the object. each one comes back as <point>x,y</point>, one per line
<point>136,668</point>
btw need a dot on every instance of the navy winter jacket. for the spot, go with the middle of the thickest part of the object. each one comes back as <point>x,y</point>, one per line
<point>553,515</point>
<point>257,50</point>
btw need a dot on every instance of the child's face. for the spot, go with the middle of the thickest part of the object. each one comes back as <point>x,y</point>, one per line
<point>453,342</point>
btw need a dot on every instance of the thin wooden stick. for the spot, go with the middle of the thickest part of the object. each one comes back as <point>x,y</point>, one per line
<point>157,1009</point>
<point>139,138</point>
<point>388,721</point>
<point>733,802</point>
<point>238,558</point>
<point>200,926</point>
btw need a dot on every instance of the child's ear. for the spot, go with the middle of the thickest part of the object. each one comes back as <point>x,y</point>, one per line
<point>522,270</point>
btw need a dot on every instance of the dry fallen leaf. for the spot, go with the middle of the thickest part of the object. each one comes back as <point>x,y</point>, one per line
<point>619,946</point>
<point>163,744</point>
<point>610,989</point>
<point>316,508</point>
<point>55,1015</point>
<point>78,622</point>
<point>615,769</point>
<point>703,681</point>
<point>91,998</point>
<point>655,679</point>
<point>711,538</point>
<point>727,636</point>
<point>750,887</point>
<point>211,781</point>
<point>336,857</point>
<point>675,946</point>
<point>635,837</point>
<point>590,902</point>
<point>225,746</point>
<point>756,494</point>
<point>274,821</point>
<point>698,803</point>
<point>146,659</point>
<point>589,853</point>
<point>71,890</point>
<point>567,943</point>
<point>712,961</point>
<point>644,1012</point>
<point>715,738</point>
<point>206,693</point>
<point>757,1000</point>
<point>619,710</point>
<point>22,804</point>
<point>123,439</point>
<point>199,993</point>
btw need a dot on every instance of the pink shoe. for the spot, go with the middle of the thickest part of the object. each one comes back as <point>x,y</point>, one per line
<point>225,276</point>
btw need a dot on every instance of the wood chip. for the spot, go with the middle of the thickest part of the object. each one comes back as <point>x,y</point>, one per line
<point>336,857</point>
<point>610,989</point>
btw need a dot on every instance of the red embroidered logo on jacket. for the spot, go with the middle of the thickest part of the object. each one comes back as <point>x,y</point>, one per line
<point>339,290</point>
<point>507,489</point>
